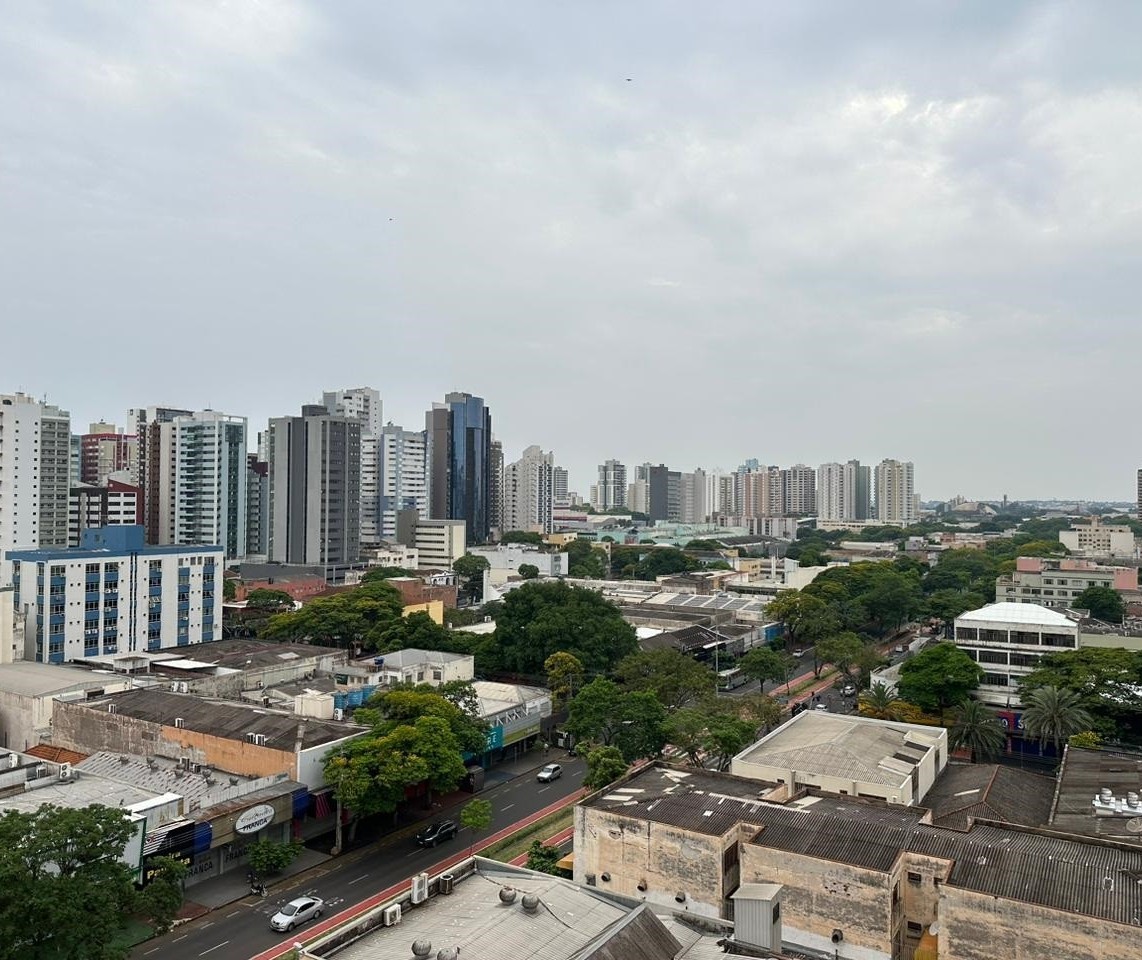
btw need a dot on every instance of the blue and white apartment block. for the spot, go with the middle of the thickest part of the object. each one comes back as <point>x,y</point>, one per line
<point>115,594</point>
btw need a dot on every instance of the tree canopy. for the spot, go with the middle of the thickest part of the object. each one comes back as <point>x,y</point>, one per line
<point>938,677</point>
<point>604,765</point>
<point>978,730</point>
<point>529,571</point>
<point>355,617</point>
<point>262,599</point>
<point>546,616</point>
<point>386,573</point>
<point>1051,715</point>
<point>1104,603</point>
<point>673,677</point>
<point>1105,681</point>
<point>602,712</point>
<point>564,676</point>
<point>584,562</point>
<point>523,536</point>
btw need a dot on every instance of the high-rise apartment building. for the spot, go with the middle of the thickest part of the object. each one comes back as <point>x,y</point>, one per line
<point>1139,514</point>
<point>459,448</point>
<point>106,449</point>
<point>363,404</point>
<point>529,492</point>
<point>152,472</point>
<point>843,491</point>
<point>612,486</point>
<point>694,490</point>
<point>35,475</point>
<point>496,488</point>
<point>196,475</point>
<point>560,484</point>
<point>895,493</point>
<point>114,504</point>
<point>257,506</point>
<point>315,488</point>
<point>401,476</point>
<point>799,484</point>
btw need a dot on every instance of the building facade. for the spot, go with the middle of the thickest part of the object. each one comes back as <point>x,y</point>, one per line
<point>612,486</point>
<point>114,594</point>
<point>257,506</point>
<point>1058,583</point>
<point>438,543</point>
<point>800,490</point>
<point>363,404</point>
<point>152,470</point>
<point>402,476</point>
<point>529,491</point>
<point>1098,539</point>
<point>458,451</point>
<point>315,488</point>
<point>35,471</point>
<point>105,449</point>
<point>843,491</point>
<point>115,503</point>
<point>895,493</point>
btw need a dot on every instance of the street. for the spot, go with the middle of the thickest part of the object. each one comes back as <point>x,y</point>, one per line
<point>242,929</point>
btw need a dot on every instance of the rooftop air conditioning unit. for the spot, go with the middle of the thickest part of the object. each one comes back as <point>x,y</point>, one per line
<point>65,771</point>
<point>179,722</point>
<point>183,686</point>
<point>420,888</point>
<point>13,760</point>
<point>390,916</point>
<point>338,713</point>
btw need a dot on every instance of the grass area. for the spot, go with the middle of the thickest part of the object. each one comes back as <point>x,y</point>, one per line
<point>812,681</point>
<point>511,847</point>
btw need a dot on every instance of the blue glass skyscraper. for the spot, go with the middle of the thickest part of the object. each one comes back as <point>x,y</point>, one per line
<point>459,440</point>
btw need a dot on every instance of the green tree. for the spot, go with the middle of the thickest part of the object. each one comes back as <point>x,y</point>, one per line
<point>229,589</point>
<point>947,604</point>
<point>842,650</point>
<point>726,737</point>
<point>1104,603</point>
<point>1051,715</point>
<point>807,618</point>
<point>631,721</point>
<point>268,856</point>
<point>584,561</point>
<point>604,765</point>
<point>939,677</point>
<point>763,663</point>
<point>542,858</point>
<point>529,571</point>
<point>470,568</point>
<point>66,891</point>
<point>546,616</point>
<point>161,899</point>
<point>355,617</point>
<point>522,536</point>
<point>418,631</point>
<point>663,561</point>
<point>477,817</point>
<point>455,703</point>
<point>386,573</point>
<point>262,599</point>
<point>674,678</point>
<point>1088,740</point>
<point>564,676</point>
<point>977,729</point>
<point>686,730</point>
<point>879,702</point>
<point>1105,681</point>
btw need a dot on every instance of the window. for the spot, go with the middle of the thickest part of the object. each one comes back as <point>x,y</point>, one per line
<point>915,878</point>
<point>915,929</point>
<point>992,656</point>
<point>995,679</point>
<point>437,674</point>
<point>776,911</point>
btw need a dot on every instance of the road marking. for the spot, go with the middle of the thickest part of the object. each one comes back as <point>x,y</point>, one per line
<point>209,923</point>
<point>149,952</point>
<point>215,947</point>
<point>361,877</point>
<point>183,937</point>
<point>541,789</point>
<point>234,914</point>
<point>508,807</point>
<point>411,853</point>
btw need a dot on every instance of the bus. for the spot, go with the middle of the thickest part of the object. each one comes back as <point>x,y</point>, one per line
<point>731,679</point>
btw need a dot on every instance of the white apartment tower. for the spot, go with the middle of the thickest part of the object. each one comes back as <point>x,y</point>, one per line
<point>528,496</point>
<point>363,404</point>
<point>895,493</point>
<point>843,491</point>
<point>800,489</point>
<point>35,475</point>
<point>694,508</point>
<point>401,477</point>
<point>612,486</point>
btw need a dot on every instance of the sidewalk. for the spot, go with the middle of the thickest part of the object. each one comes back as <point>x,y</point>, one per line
<point>211,894</point>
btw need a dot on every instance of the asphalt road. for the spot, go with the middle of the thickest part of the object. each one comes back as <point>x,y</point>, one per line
<point>242,929</point>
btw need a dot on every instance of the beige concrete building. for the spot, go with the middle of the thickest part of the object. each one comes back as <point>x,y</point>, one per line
<point>1057,583</point>
<point>860,879</point>
<point>1098,539</point>
<point>849,756</point>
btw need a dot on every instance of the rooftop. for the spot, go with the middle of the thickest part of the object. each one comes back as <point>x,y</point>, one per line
<point>983,791</point>
<point>497,697</point>
<point>219,656</point>
<point>853,748</point>
<point>571,922</point>
<point>1016,613</point>
<point>226,718</point>
<point>27,678</point>
<point>1084,774</point>
<point>412,657</point>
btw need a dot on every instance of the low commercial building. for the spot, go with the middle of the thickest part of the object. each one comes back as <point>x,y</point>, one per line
<point>1100,794</point>
<point>116,594</point>
<point>1097,539</point>
<point>438,543</point>
<point>410,666</point>
<point>859,878</point>
<point>221,735</point>
<point>517,716</point>
<point>848,756</point>
<point>1057,583</point>
<point>505,560</point>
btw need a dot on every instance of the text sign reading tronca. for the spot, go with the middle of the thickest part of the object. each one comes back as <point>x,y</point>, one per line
<point>255,818</point>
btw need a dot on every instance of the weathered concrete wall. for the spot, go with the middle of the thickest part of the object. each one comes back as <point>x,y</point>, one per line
<point>821,896</point>
<point>666,860</point>
<point>87,729</point>
<point>976,926</point>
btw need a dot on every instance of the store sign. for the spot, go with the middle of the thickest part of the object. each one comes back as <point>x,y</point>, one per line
<point>255,819</point>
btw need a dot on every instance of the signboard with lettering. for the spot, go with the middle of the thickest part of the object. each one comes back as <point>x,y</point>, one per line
<point>255,819</point>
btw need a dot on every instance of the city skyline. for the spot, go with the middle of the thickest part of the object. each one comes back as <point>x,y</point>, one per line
<point>903,232</point>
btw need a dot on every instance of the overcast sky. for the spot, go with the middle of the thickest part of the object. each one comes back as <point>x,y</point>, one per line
<point>680,232</point>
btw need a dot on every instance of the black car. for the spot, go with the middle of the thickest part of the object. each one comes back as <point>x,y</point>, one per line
<point>434,833</point>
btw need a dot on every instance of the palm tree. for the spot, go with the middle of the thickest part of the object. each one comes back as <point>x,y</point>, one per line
<point>879,702</point>
<point>1053,716</point>
<point>978,729</point>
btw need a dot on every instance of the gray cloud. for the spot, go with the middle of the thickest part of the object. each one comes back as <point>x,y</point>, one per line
<point>811,233</point>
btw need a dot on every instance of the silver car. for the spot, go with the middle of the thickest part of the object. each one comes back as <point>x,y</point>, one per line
<point>295,913</point>
<point>551,772</point>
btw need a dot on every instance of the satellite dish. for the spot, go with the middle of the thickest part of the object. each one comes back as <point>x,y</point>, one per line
<point>1134,825</point>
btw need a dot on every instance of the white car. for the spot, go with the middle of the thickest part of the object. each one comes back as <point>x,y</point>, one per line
<point>295,913</point>
<point>551,772</point>
<point>822,706</point>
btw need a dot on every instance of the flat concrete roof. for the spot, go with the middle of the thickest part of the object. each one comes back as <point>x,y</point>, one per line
<point>31,679</point>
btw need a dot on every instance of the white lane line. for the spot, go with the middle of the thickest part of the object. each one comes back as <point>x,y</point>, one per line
<point>209,923</point>
<point>234,914</point>
<point>149,952</point>
<point>361,877</point>
<point>215,947</point>
<point>183,937</point>
<point>542,789</point>
<point>508,807</point>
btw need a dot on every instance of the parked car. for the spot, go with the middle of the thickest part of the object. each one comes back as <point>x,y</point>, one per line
<point>798,654</point>
<point>822,706</point>
<point>848,690</point>
<point>295,913</point>
<point>551,772</point>
<point>437,832</point>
